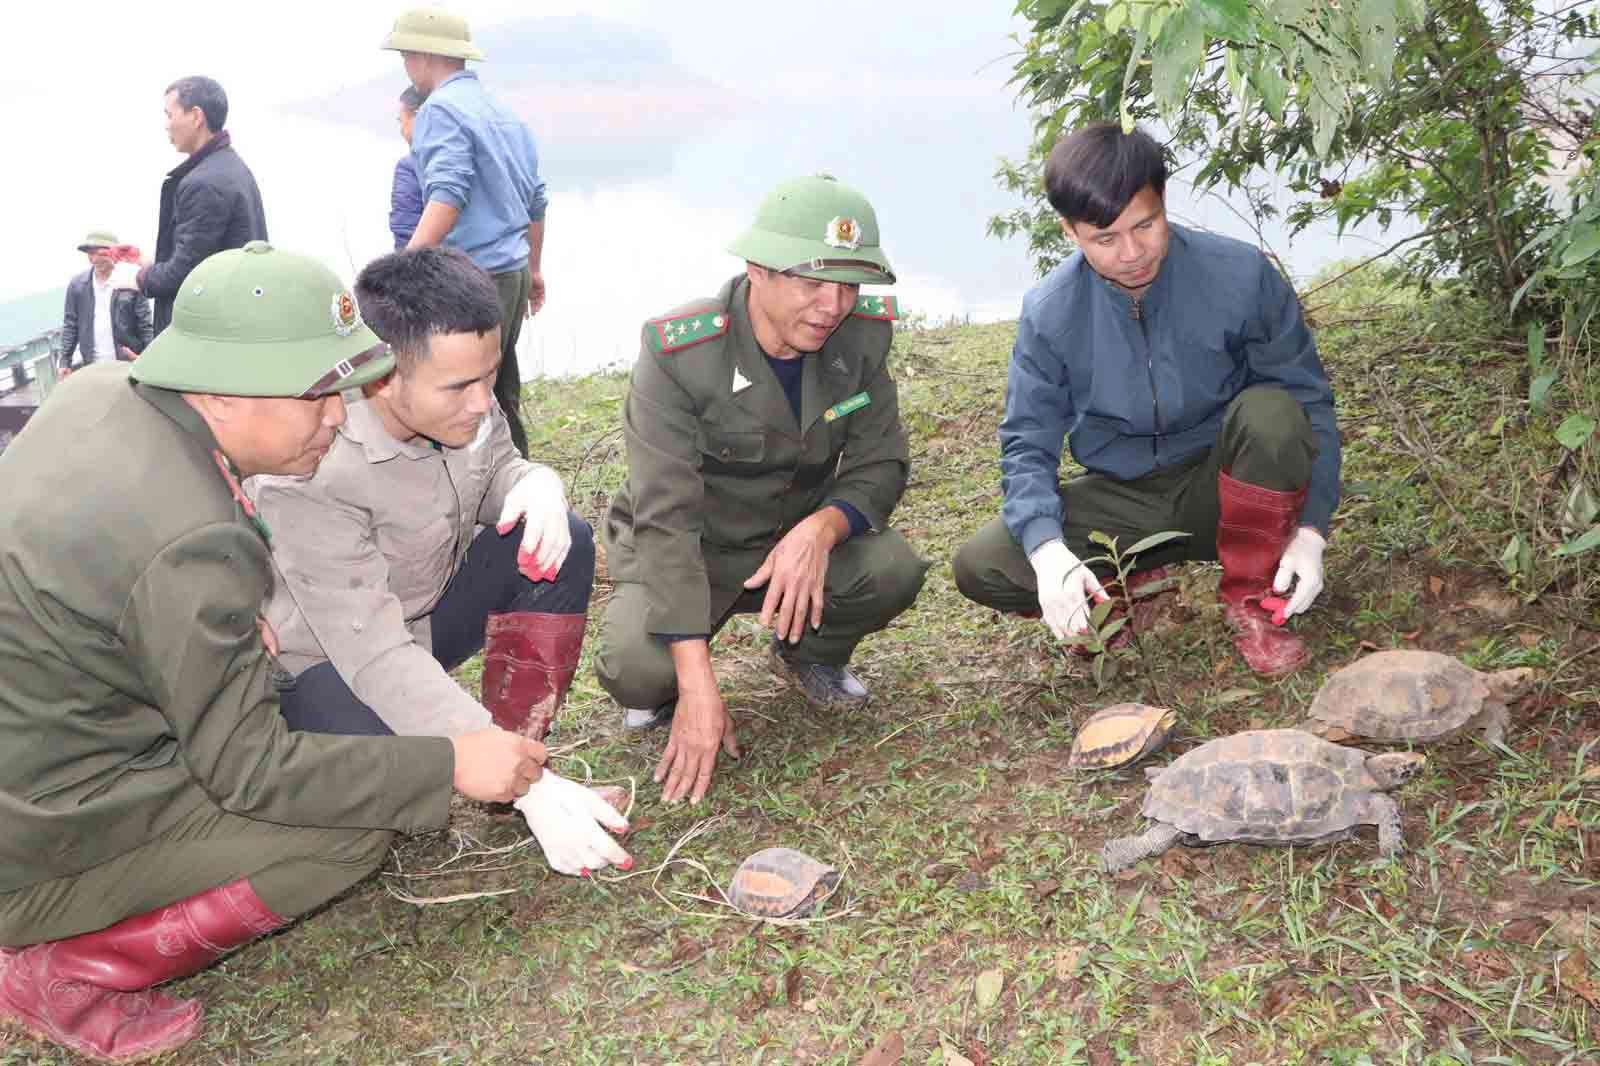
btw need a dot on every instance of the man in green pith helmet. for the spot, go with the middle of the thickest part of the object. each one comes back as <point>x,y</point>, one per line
<point>157,811</point>
<point>481,186</point>
<point>765,455</point>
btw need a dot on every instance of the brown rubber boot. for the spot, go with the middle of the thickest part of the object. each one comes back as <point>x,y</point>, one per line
<point>1253,527</point>
<point>529,659</point>
<point>93,993</point>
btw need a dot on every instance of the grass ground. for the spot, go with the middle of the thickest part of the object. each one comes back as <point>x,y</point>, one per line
<point>973,924</point>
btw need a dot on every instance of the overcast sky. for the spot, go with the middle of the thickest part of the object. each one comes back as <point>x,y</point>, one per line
<point>83,82</point>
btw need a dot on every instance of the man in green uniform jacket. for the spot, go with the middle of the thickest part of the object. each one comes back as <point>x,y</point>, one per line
<point>765,455</point>
<point>157,812</point>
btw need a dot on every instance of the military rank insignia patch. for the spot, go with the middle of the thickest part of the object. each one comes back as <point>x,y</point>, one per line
<point>676,332</point>
<point>884,308</point>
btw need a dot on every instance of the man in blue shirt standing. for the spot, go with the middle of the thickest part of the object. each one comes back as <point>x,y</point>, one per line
<point>480,178</point>
<point>1180,370</point>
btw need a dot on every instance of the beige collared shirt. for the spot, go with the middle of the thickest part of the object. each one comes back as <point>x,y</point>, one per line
<point>363,549</point>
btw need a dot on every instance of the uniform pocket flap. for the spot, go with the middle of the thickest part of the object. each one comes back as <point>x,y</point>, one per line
<point>727,447</point>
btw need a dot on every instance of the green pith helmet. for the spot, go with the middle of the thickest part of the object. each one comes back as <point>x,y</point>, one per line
<point>97,238</point>
<point>255,321</point>
<point>816,227</point>
<point>430,30</point>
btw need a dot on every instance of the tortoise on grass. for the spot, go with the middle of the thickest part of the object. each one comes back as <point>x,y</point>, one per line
<point>781,883</point>
<point>1417,696</point>
<point>1120,734</point>
<point>1268,786</point>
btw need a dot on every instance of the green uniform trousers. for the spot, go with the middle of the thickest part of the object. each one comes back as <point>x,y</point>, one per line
<point>871,578</point>
<point>1266,440</point>
<point>512,287</point>
<point>292,869</point>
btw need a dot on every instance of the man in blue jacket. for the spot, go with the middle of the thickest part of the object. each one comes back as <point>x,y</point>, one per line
<point>480,179</point>
<point>1178,367</point>
<point>405,193</point>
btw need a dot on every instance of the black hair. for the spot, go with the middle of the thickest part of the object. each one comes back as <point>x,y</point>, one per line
<point>1092,174</point>
<point>411,99</point>
<point>207,95</point>
<point>410,297</point>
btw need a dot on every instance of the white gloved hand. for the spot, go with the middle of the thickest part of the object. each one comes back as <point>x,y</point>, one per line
<point>1065,588</point>
<point>541,502</point>
<point>124,276</point>
<point>1301,563</point>
<point>567,818</point>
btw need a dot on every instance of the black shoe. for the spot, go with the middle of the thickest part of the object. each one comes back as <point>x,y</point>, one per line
<point>648,717</point>
<point>825,687</point>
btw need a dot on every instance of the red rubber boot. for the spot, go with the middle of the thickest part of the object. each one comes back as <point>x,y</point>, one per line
<point>1253,526</point>
<point>93,993</point>
<point>529,659</point>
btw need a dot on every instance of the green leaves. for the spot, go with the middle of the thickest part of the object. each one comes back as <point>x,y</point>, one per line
<point>1574,430</point>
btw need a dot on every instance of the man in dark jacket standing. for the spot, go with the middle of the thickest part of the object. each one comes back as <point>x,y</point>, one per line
<point>157,811</point>
<point>1180,370</point>
<point>209,202</point>
<point>100,320</point>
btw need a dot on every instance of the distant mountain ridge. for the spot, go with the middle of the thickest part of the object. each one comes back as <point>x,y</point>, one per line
<point>603,98</point>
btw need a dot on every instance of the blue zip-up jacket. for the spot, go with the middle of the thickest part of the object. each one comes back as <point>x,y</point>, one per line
<point>405,202</point>
<point>1132,395</point>
<point>480,159</point>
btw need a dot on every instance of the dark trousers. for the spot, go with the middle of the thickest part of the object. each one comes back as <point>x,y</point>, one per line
<point>512,287</point>
<point>1265,440</point>
<point>320,701</point>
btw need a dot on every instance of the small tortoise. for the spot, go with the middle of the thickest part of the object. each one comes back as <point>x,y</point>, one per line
<point>1119,735</point>
<point>1268,786</point>
<point>781,883</point>
<point>1418,696</point>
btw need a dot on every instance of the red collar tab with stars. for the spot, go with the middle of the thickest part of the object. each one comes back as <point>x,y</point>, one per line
<point>239,497</point>
<point>677,332</point>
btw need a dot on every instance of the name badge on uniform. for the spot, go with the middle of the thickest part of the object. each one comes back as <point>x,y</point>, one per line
<point>845,407</point>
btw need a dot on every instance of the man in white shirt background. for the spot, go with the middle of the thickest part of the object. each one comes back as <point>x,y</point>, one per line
<point>101,322</point>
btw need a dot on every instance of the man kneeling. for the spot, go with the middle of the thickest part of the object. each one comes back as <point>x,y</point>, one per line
<point>383,585</point>
<point>157,810</point>
<point>1180,369</point>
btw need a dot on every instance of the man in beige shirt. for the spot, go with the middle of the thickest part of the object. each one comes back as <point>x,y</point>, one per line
<point>385,580</point>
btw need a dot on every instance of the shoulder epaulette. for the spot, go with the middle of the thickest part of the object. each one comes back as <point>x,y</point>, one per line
<point>883,308</point>
<point>686,328</point>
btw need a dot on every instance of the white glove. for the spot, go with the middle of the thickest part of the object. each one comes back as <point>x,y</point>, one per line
<point>567,818</point>
<point>541,502</point>
<point>1065,587</point>
<point>124,276</point>
<point>1302,563</point>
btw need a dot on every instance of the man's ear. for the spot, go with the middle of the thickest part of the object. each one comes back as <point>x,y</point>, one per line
<point>755,272</point>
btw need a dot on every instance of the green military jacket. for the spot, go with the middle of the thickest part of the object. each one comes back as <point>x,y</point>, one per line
<point>718,467</point>
<point>134,687</point>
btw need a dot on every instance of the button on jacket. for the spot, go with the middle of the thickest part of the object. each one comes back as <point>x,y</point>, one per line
<point>717,464</point>
<point>134,687</point>
<point>1134,393</point>
<point>363,550</point>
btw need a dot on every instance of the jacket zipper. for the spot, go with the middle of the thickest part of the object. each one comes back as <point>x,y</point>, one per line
<point>1136,309</point>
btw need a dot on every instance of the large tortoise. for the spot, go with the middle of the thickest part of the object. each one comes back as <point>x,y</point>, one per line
<point>1416,696</point>
<point>1268,786</point>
